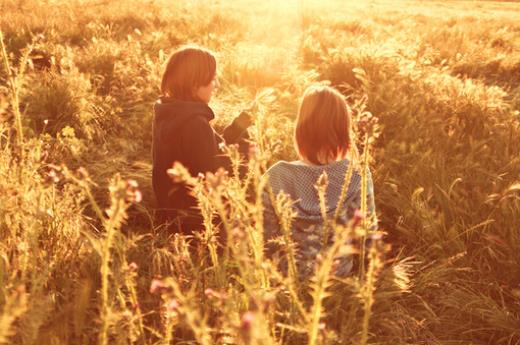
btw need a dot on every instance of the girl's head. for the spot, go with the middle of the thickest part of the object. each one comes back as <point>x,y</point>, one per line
<point>190,75</point>
<point>323,126</point>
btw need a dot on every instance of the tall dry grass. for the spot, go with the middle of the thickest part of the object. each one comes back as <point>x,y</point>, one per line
<point>82,260</point>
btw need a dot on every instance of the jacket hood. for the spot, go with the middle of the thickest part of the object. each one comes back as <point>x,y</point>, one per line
<point>298,180</point>
<point>168,109</point>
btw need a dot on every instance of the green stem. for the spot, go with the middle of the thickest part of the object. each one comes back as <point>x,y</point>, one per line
<point>364,222</point>
<point>105,272</point>
<point>368,294</point>
<point>13,84</point>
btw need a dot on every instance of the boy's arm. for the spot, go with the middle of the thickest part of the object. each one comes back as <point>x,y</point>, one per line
<point>238,128</point>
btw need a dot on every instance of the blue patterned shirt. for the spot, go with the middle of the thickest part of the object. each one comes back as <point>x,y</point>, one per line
<point>298,179</point>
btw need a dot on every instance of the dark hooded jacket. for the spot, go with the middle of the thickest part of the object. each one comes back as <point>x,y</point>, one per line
<point>181,132</point>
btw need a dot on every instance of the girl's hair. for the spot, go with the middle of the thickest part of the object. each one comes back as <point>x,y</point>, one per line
<point>188,68</point>
<point>323,126</point>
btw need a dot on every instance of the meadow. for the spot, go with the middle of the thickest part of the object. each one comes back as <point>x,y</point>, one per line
<point>82,260</point>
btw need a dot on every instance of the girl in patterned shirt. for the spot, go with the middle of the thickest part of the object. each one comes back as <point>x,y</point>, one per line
<point>323,140</point>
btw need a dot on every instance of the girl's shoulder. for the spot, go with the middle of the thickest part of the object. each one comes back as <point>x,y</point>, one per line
<point>282,167</point>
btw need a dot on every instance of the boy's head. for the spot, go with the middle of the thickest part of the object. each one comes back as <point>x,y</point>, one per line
<point>189,69</point>
<point>323,126</point>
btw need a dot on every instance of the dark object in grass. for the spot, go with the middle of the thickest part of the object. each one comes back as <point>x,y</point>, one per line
<point>44,61</point>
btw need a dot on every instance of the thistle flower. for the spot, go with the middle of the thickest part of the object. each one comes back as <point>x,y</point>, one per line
<point>238,233</point>
<point>247,321</point>
<point>82,173</point>
<point>212,294</point>
<point>44,155</point>
<point>133,267</point>
<point>132,193</point>
<point>53,175</point>
<point>368,124</point>
<point>159,287</point>
<point>216,180</point>
<point>172,306</point>
<point>178,173</point>
<point>358,217</point>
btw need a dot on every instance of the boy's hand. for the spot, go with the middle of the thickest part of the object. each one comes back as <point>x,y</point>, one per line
<point>244,120</point>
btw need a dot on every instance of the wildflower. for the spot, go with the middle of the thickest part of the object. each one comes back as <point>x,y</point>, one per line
<point>238,233</point>
<point>20,290</point>
<point>221,146</point>
<point>217,179</point>
<point>132,193</point>
<point>268,300</point>
<point>358,217</point>
<point>368,124</point>
<point>178,173</point>
<point>52,177</point>
<point>82,173</point>
<point>44,156</point>
<point>335,265</point>
<point>158,287</point>
<point>174,175</point>
<point>247,321</point>
<point>172,306</point>
<point>210,293</point>
<point>127,315</point>
<point>375,236</point>
<point>53,174</point>
<point>133,267</point>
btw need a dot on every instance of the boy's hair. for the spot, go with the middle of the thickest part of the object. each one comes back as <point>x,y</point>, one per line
<point>323,125</point>
<point>188,68</point>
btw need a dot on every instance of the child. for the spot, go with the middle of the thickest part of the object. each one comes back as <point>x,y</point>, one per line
<point>182,132</point>
<point>323,139</point>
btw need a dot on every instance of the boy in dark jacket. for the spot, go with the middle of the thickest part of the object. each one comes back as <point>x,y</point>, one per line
<point>182,133</point>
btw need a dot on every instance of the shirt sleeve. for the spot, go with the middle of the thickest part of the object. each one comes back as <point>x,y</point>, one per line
<point>233,133</point>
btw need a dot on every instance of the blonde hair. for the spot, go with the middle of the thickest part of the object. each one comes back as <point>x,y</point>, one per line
<point>187,68</point>
<point>323,127</point>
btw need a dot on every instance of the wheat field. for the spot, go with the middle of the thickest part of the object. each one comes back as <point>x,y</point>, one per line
<point>83,261</point>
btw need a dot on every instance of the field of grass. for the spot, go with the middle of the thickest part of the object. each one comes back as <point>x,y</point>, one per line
<point>83,262</point>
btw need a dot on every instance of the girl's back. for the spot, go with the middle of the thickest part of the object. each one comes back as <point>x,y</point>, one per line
<point>297,180</point>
